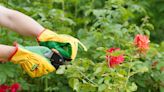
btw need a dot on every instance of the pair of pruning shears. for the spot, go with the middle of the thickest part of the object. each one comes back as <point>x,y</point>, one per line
<point>56,58</point>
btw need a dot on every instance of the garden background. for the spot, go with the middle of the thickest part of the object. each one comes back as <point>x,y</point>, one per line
<point>100,25</point>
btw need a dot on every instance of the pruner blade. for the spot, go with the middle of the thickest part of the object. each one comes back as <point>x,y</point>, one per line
<point>56,58</point>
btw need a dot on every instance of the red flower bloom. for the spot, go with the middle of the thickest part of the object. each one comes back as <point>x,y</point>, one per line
<point>113,60</point>
<point>142,42</point>
<point>15,87</point>
<point>113,49</point>
<point>4,88</point>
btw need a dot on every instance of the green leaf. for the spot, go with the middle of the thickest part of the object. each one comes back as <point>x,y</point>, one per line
<point>133,87</point>
<point>98,70</point>
<point>102,87</point>
<point>3,77</point>
<point>59,1</point>
<point>87,87</point>
<point>161,89</point>
<point>74,83</point>
<point>144,69</point>
<point>61,70</point>
<point>99,13</point>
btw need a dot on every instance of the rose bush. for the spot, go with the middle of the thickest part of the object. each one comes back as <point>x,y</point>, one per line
<point>100,25</point>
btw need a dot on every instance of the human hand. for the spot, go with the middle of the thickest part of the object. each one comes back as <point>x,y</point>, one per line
<point>33,63</point>
<point>65,44</point>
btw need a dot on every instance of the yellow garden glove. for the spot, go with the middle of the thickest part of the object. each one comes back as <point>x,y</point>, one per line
<point>34,64</point>
<point>65,44</point>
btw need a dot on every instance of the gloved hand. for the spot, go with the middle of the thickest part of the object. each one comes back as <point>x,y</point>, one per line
<point>34,64</point>
<point>65,44</point>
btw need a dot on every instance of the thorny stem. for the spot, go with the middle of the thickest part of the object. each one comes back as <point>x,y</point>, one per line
<point>93,3</point>
<point>86,77</point>
<point>63,6</point>
<point>46,83</point>
<point>76,4</point>
<point>127,79</point>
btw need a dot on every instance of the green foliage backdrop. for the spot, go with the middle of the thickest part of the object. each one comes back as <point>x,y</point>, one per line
<point>99,24</point>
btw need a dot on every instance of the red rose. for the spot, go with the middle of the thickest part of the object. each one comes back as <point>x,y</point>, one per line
<point>15,87</point>
<point>142,42</point>
<point>113,49</point>
<point>114,60</point>
<point>4,88</point>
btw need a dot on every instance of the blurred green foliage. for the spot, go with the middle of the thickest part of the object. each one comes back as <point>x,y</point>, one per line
<point>155,10</point>
<point>99,24</point>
